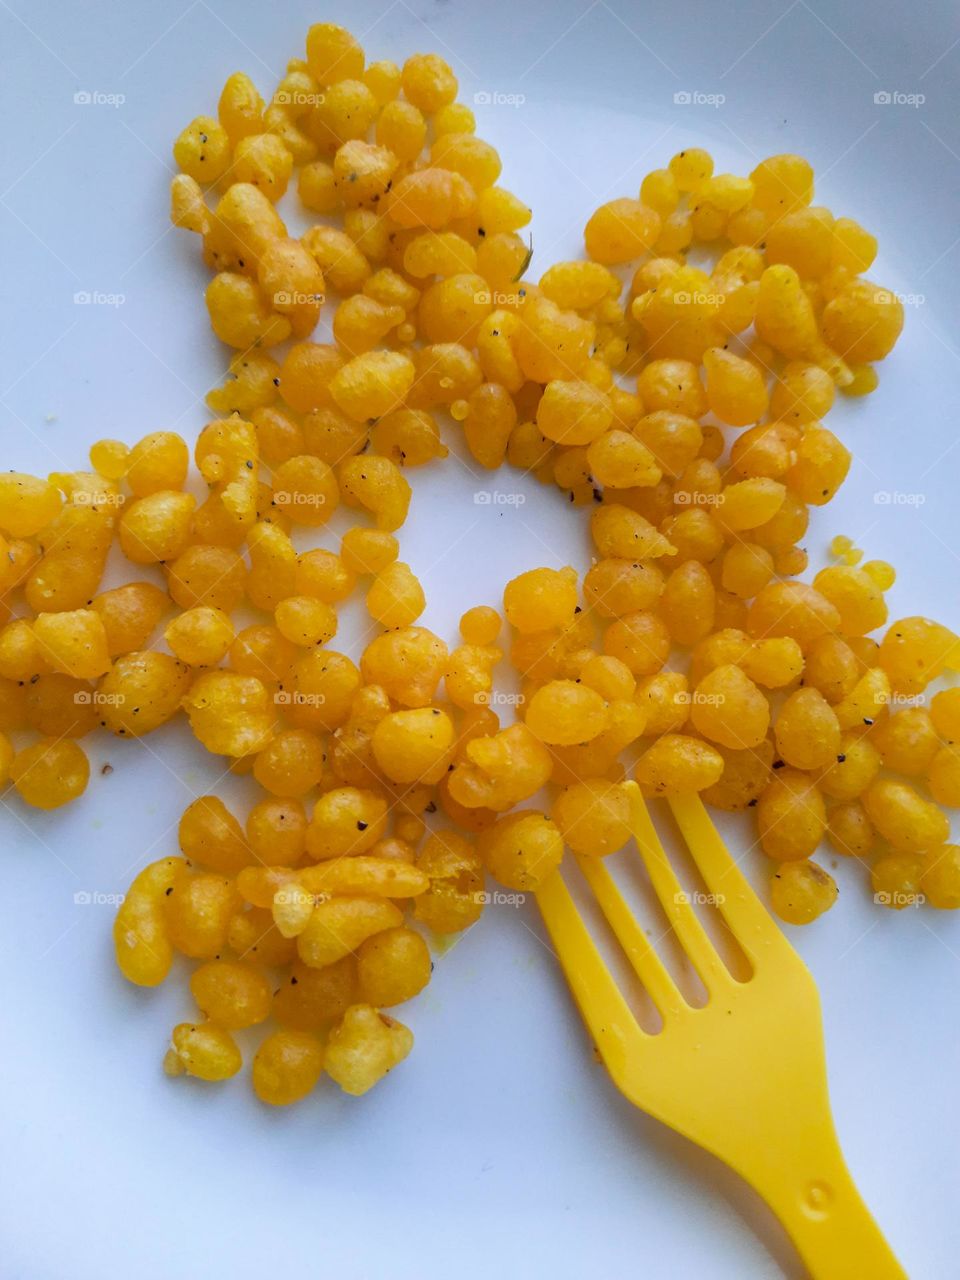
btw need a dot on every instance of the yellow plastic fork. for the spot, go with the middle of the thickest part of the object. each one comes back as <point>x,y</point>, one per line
<point>744,1076</point>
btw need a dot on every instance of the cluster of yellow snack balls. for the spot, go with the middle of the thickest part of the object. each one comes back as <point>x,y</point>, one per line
<point>784,704</point>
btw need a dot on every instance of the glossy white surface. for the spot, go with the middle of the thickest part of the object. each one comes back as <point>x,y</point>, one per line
<point>500,1145</point>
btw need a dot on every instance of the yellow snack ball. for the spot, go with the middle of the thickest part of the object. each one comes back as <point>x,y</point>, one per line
<point>73,642</point>
<point>729,709</point>
<point>324,575</point>
<point>674,386</point>
<point>614,586</point>
<point>383,80</point>
<point>573,413</point>
<point>339,925</point>
<point>240,107</point>
<point>807,732</point>
<point>414,745</point>
<point>744,779</point>
<point>230,714</point>
<point>379,486</point>
<point>239,314</point>
<point>618,460</point>
<point>665,701</point>
<point>945,713</point>
<point>736,391</point>
<point>368,551</point>
<point>791,816</point>
<point>676,764</point>
<point>372,384</point>
<point>564,712</point>
<point>640,640</point>
<point>454,900</point>
<point>346,820</point>
<point>305,621</point>
<point>232,995</point>
<point>306,373</point>
<point>333,53</point>
<point>317,187</point>
<point>804,239</point>
<point>552,344</point>
<point>27,504</point>
<point>199,908</point>
<point>864,380</point>
<point>50,773</point>
<point>480,625</point>
<point>943,776</point>
<point>276,830</point>
<point>820,467</point>
<point>109,458</point>
<point>312,998</point>
<point>854,249</point>
<point>746,569</point>
<point>907,741</point>
<point>392,967</point>
<point>792,609</point>
<point>156,528</point>
<point>856,764</point>
<point>659,191</point>
<point>803,393</point>
<point>620,230</point>
<point>324,683</point>
<point>210,835</point>
<point>262,160</point>
<point>395,598</point>
<point>850,831</point>
<point>428,82</point>
<point>594,817</point>
<point>832,667</point>
<point>940,877</point>
<point>291,764</point>
<point>690,168</point>
<point>522,849</point>
<point>781,184</point>
<point>895,879</point>
<point>200,637</point>
<point>688,603</point>
<point>800,891</point>
<point>902,816</point>
<point>305,489</point>
<point>882,574</point>
<point>158,461</point>
<point>207,575</point>
<point>202,150</point>
<point>143,951</point>
<point>863,322</point>
<point>363,1047</point>
<point>749,504</point>
<point>430,197</point>
<point>204,1051</point>
<point>541,599</point>
<point>141,691</point>
<point>468,155</point>
<point>287,1066</point>
<point>408,663</point>
<point>785,318</point>
<point>672,438</point>
<point>914,651</point>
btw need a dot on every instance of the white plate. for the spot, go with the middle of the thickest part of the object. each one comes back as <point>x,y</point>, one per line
<point>500,1145</point>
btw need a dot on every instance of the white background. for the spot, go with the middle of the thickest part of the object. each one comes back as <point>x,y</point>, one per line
<point>500,1145</point>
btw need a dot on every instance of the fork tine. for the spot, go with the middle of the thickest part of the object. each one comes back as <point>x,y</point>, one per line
<point>673,898</point>
<point>602,1006</point>
<point>638,948</point>
<point>747,918</point>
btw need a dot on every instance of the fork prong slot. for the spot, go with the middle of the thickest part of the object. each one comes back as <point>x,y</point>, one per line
<point>674,899</point>
<point>638,948</point>
<point>608,1016</point>
<point>746,917</point>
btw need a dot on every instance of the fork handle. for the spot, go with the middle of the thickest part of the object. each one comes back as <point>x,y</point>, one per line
<point>812,1193</point>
